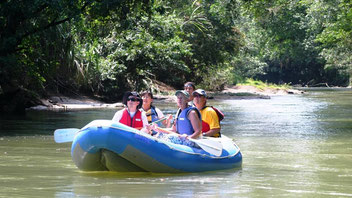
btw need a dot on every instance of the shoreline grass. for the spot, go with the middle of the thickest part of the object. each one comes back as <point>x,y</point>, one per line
<point>262,85</point>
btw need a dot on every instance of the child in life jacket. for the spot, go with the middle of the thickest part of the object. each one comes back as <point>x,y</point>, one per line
<point>153,113</point>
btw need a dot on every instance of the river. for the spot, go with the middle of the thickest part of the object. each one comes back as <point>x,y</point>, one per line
<point>292,146</point>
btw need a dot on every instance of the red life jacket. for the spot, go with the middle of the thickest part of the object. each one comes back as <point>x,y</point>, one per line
<point>135,122</point>
<point>205,126</point>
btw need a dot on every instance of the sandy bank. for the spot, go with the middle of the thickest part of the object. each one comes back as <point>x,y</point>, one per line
<point>64,103</point>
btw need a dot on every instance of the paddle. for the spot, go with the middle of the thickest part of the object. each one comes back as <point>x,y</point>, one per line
<point>210,146</point>
<point>67,135</point>
<point>157,121</point>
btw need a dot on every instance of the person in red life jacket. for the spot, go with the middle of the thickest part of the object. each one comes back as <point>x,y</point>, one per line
<point>190,87</point>
<point>210,120</point>
<point>187,120</point>
<point>131,115</point>
<point>153,113</point>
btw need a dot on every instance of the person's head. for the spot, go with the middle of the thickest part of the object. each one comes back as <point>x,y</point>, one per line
<point>199,98</point>
<point>132,100</point>
<point>182,97</point>
<point>147,97</point>
<point>189,87</point>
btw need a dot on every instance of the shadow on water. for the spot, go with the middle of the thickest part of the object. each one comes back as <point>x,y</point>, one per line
<point>45,122</point>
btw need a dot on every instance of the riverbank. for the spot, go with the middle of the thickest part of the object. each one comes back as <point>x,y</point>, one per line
<point>63,103</point>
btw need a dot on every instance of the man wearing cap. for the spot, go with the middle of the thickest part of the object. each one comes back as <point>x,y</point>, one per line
<point>210,119</point>
<point>188,122</point>
<point>131,115</point>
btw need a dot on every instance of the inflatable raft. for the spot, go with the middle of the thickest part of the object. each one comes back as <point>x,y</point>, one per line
<point>104,145</point>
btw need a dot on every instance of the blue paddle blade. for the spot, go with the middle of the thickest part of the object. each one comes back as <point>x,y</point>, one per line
<point>65,135</point>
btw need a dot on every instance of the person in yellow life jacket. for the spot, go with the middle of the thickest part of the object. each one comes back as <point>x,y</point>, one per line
<point>210,120</point>
<point>153,113</point>
<point>131,115</point>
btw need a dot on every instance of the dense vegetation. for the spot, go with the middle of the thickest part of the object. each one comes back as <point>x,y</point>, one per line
<point>104,47</point>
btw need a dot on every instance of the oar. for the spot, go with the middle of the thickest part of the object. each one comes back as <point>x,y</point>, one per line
<point>157,121</point>
<point>67,135</point>
<point>210,146</point>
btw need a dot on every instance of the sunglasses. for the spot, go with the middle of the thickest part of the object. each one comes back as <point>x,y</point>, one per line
<point>132,99</point>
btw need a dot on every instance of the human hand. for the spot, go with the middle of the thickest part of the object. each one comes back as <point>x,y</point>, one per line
<point>154,127</point>
<point>168,120</point>
<point>147,130</point>
<point>184,136</point>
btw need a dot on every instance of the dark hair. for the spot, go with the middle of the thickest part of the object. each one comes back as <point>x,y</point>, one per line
<point>147,92</point>
<point>133,93</point>
<point>190,84</point>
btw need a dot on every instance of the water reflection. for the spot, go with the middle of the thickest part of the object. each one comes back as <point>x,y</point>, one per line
<point>151,185</point>
<point>291,145</point>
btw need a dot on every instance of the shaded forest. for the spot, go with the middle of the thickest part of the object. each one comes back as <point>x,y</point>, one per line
<point>103,48</point>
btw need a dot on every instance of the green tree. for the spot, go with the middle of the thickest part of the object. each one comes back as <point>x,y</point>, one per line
<point>131,54</point>
<point>287,50</point>
<point>249,63</point>
<point>210,28</point>
<point>26,26</point>
<point>333,20</point>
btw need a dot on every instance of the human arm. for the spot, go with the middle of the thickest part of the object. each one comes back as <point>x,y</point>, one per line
<point>164,130</point>
<point>212,132</point>
<point>146,127</point>
<point>172,129</point>
<point>196,124</point>
<point>168,128</point>
<point>161,116</point>
<point>118,115</point>
<point>167,122</point>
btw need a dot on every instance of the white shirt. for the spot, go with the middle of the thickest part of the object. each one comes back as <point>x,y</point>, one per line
<point>118,115</point>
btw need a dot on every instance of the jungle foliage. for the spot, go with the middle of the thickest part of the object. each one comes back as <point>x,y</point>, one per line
<point>106,47</point>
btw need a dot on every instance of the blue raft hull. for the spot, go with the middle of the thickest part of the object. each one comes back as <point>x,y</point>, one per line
<point>103,145</point>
